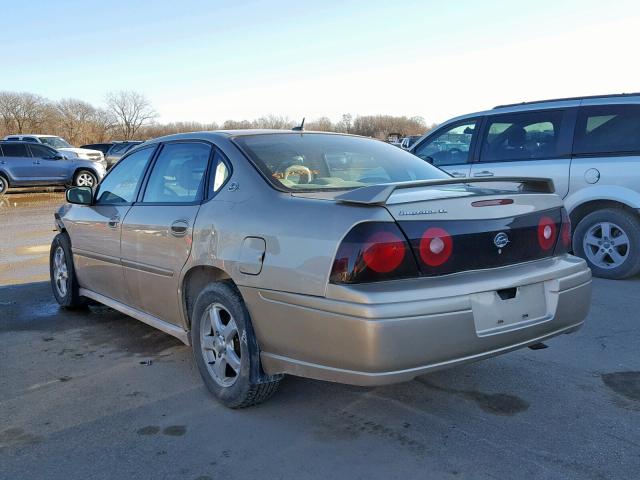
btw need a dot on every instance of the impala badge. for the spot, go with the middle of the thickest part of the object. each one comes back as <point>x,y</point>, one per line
<point>500,241</point>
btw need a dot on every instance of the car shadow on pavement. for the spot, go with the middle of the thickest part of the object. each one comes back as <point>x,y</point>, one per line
<point>32,308</point>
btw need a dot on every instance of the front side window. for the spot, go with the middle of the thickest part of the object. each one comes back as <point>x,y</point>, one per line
<point>608,129</point>
<point>449,147</point>
<point>121,184</point>
<point>522,136</point>
<point>41,151</point>
<point>317,161</point>
<point>15,150</point>
<point>178,174</point>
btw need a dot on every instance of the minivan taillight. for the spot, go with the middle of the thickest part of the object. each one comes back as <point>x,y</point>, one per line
<point>372,252</point>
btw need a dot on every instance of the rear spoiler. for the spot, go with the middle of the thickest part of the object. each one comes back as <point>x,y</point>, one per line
<point>379,194</point>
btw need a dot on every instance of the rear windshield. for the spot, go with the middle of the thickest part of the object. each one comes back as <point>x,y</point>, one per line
<point>316,161</point>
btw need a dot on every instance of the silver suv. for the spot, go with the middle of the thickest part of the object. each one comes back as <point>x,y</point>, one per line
<point>589,146</point>
<point>26,164</point>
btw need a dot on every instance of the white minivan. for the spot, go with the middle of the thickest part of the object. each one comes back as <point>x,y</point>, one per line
<point>589,146</point>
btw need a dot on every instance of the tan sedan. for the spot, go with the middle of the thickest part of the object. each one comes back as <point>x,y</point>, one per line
<point>327,256</point>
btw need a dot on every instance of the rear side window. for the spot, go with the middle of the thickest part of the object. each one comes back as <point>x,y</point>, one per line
<point>219,172</point>
<point>607,129</point>
<point>15,150</point>
<point>522,136</point>
<point>178,174</point>
<point>121,184</point>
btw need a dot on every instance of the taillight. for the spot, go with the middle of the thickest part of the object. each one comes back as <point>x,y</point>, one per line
<point>547,232</point>
<point>384,252</point>
<point>371,252</point>
<point>564,243</point>
<point>436,246</point>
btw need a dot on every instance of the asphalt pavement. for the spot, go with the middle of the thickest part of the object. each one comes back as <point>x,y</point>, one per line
<point>93,394</point>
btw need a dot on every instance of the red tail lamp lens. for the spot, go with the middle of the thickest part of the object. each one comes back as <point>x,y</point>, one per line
<point>436,246</point>
<point>546,233</point>
<point>384,252</point>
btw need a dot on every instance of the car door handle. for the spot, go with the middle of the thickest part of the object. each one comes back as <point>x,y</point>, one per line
<point>179,228</point>
<point>458,174</point>
<point>36,162</point>
<point>114,222</point>
<point>484,173</point>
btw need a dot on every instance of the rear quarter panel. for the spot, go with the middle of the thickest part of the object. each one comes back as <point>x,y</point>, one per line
<point>604,178</point>
<point>301,235</point>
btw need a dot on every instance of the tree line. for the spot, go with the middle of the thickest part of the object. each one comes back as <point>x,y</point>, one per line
<point>129,115</point>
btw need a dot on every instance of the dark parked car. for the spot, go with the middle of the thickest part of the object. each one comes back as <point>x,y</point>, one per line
<point>102,147</point>
<point>27,164</point>
<point>117,151</point>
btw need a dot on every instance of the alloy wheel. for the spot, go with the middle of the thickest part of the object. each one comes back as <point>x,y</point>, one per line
<point>606,245</point>
<point>220,344</point>
<point>85,180</point>
<point>60,272</point>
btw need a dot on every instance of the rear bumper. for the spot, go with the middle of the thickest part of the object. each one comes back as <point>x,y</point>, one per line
<point>394,331</point>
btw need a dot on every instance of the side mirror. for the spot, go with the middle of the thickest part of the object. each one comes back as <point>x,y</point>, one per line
<point>80,195</point>
<point>59,156</point>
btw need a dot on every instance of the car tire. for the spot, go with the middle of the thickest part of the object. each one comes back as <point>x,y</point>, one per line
<point>609,240</point>
<point>226,350</point>
<point>85,178</point>
<point>4,185</point>
<point>62,273</point>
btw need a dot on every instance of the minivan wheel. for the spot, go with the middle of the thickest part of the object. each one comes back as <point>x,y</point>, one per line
<point>609,240</point>
<point>85,178</point>
<point>226,350</point>
<point>4,185</point>
<point>63,277</point>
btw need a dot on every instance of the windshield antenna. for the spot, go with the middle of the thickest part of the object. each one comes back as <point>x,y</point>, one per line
<point>299,128</point>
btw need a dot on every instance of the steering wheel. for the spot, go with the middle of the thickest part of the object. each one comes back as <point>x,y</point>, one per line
<point>297,170</point>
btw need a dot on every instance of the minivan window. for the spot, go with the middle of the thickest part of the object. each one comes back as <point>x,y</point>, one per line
<point>450,147</point>
<point>15,150</point>
<point>178,173</point>
<point>319,161</point>
<point>613,129</point>
<point>121,184</point>
<point>521,136</point>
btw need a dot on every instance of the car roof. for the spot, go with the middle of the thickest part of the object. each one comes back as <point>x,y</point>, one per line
<point>22,142</point>
<point>611,99</point>
<point>30,135</point>
<point>226,134</point>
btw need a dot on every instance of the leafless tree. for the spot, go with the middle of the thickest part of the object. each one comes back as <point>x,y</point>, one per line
<point>322,124</point>
<point>131,110</point>
<point>22,111</point>
<point>129,115</point>
<point>345,124</point>
<point>75,119</point>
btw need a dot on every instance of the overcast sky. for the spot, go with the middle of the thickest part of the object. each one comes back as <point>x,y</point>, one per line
<point>210,61</point>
